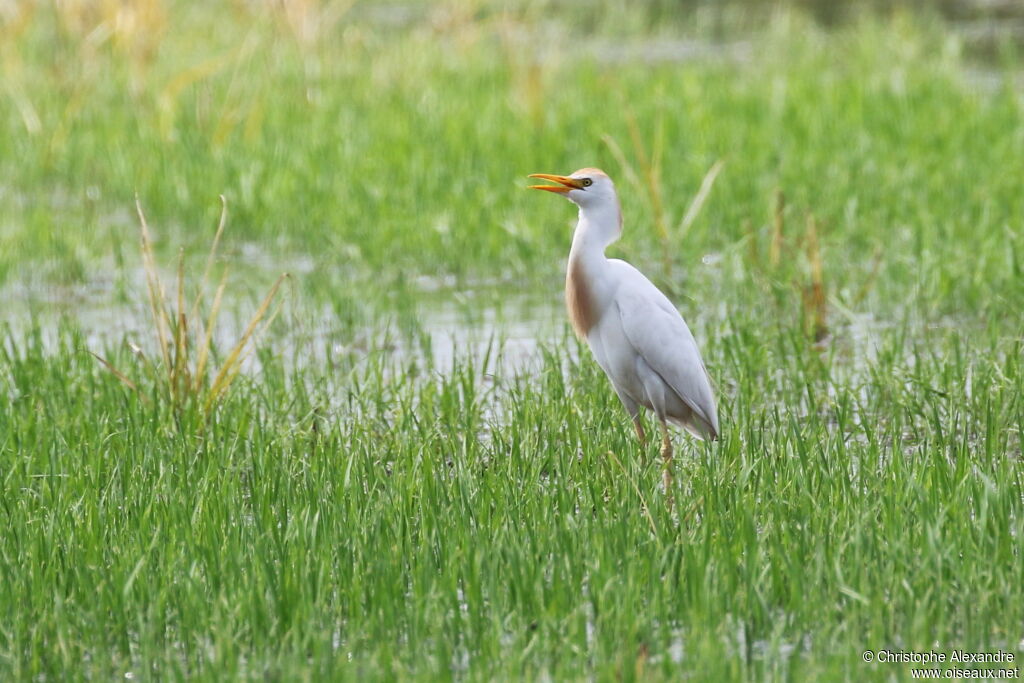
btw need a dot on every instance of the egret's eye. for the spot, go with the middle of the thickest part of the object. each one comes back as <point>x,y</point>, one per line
<point>587,182</point>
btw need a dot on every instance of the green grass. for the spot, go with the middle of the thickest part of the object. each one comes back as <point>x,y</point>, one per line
<point>351,510</point>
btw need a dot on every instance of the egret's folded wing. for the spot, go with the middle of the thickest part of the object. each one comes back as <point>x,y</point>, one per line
<point>659,334</point>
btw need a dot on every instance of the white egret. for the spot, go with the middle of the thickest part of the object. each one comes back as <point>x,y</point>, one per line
<point>636,334</point>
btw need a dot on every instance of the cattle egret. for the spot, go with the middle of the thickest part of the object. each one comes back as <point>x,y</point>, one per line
<point>635,333</point>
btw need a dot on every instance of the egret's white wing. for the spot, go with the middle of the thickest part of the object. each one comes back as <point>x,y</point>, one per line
<point>660,336</point>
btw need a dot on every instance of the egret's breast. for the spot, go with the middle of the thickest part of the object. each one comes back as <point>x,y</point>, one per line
<point>580,300</point>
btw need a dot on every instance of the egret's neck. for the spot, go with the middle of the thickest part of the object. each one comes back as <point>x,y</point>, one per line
<point>597,228</point>
<point>587,292</point>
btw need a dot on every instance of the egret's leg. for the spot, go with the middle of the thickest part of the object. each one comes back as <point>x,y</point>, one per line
<point>639,430</point>
<point>666,456</point>
<point>634,413</point>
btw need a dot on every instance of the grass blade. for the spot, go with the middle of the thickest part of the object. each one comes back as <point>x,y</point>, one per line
<point>229,370</point>
<point>119,375</point>
<point>697,203</point>
<point>205,346</point>
<point>157,302</point>
<point>778,225</point>
<point>210,258</point>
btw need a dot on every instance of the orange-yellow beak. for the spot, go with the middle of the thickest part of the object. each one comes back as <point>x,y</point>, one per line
<point>565,183</point>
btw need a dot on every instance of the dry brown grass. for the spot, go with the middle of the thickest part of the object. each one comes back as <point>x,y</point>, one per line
<point>183,374</point>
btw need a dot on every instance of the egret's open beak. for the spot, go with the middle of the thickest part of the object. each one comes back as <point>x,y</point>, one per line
<point>565,183</point>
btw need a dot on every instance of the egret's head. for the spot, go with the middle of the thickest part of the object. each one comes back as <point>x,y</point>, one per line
<point>588,188</point>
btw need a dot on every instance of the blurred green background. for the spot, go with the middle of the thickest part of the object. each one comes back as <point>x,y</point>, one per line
<point>374,141</point>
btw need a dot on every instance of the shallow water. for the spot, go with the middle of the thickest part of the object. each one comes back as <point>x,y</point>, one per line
<point>439,328</point>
